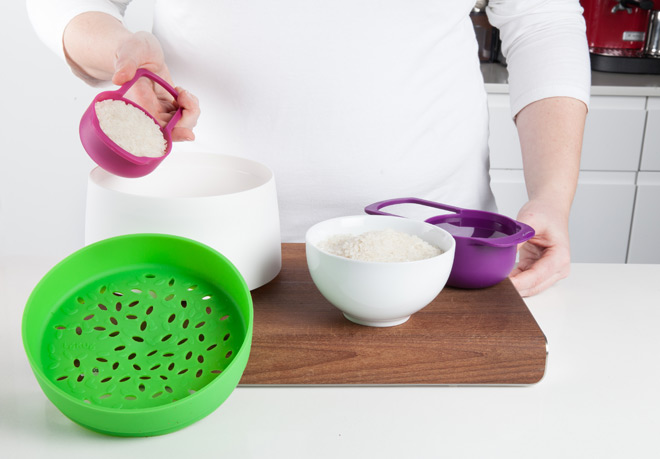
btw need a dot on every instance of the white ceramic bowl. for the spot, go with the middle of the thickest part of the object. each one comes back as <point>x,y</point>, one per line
<point>225,202</point>
<point>378,294</point>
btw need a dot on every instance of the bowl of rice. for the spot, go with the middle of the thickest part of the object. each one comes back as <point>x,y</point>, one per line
<point>379,270</point>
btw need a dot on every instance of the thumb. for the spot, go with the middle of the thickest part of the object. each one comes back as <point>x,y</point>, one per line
<point>140,50</point>
<point>125,68</point>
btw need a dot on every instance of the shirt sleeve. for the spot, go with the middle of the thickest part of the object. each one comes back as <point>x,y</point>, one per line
<point>545,45</point>
<point>49,18</point>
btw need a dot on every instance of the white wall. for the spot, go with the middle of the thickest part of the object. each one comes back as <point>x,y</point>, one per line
<point>43,167</point>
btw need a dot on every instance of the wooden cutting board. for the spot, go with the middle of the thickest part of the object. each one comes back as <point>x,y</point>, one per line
<point>485,336</point>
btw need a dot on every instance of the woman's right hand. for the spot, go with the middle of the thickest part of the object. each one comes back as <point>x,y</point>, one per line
<point>99,48</point>
<point>142,50</point>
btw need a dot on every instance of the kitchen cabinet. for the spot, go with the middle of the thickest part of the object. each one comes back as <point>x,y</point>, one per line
<point>613,133</point>
<point>615,212</point>
<point>651,151</point>
<point>644,240</point>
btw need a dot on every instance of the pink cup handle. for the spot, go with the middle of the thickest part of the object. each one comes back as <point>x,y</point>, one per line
<point>152,76</point>
<point>175,119</point>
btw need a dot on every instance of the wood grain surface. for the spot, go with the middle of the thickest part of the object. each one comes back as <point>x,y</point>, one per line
<point>485,336</point>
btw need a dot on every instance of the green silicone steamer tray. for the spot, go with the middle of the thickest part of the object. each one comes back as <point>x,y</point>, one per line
<point>139,335</point>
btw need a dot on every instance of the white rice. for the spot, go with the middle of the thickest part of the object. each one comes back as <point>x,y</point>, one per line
<point>130,128</point>
<point>382,246</point>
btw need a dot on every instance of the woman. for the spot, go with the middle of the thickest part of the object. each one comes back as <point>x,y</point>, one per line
<point>351,102</point>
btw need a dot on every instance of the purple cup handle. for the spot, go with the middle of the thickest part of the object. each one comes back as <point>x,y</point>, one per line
<point>374,209</point>
<point>524,232</point>
<point>152,76</point>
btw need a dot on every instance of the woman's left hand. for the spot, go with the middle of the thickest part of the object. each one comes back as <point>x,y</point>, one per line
<point>544,259</point>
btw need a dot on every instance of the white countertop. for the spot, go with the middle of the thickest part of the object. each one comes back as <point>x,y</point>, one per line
<point>602,83</point>
<point>599,397</point>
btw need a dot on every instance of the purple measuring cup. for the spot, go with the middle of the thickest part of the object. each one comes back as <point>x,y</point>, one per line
<point>105,152</point>
<point>486,242</point>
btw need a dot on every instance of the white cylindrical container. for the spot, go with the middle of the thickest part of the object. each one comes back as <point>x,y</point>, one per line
<point>225,202</point>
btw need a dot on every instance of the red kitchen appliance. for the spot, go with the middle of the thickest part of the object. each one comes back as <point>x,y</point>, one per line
<point>623,35</point>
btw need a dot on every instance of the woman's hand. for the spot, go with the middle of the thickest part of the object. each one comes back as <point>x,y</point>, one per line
<point>99,48</point>
<point>142,50</point>
<point>544,259</point>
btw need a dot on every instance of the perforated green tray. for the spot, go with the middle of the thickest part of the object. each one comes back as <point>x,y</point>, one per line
<point>139,335</point>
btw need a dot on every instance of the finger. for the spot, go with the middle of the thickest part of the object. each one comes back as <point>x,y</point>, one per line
<point>182,135</point>
<point>142,92</point>
<point>128,60</point>
<point>536,277</point>
<point>514,272</point>
<point>142,49</point>
<point>124,71</point>
<point>529,284</point>
<point>189,116</point>
<point>190,104</point>
<point>526,280</point>
<point>527,256</point>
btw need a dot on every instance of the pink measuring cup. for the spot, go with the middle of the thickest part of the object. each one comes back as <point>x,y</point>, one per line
<point>105,152</point>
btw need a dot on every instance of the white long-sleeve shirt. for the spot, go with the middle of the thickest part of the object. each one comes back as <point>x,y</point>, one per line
<point>354,101</point>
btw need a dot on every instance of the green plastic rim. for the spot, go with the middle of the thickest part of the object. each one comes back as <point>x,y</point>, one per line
<point>139,335</point>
